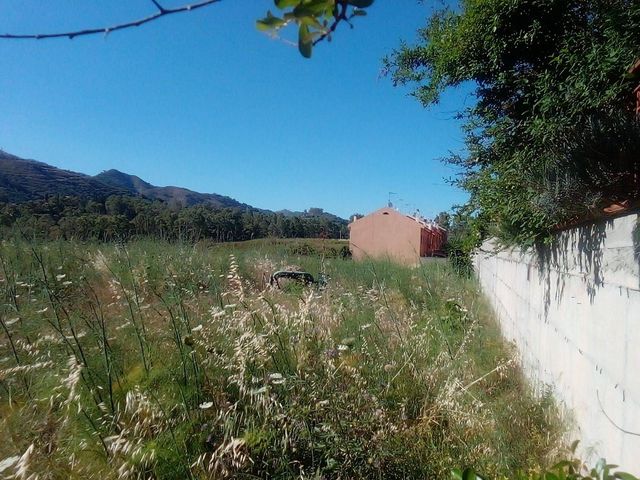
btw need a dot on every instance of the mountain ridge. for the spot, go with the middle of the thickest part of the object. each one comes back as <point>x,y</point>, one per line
<point>23,180</point>
<point>172,195</point>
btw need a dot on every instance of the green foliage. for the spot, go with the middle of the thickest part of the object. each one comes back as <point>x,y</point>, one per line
<point>552,137</point>
<point>464,235</point>
<point>571,469</point>
<point>466,474</point>
<point>316,19</point>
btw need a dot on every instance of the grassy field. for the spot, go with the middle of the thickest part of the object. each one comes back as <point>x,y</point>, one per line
<point>155,360</point>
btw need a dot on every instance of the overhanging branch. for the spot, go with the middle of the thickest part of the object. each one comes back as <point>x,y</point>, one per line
<point>162,12</point>
<point>339,17</point>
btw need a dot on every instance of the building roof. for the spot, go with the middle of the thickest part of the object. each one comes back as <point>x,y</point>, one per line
<point>417,219</point>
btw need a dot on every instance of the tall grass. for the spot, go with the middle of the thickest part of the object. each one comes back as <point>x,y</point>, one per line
<point>152,360</point>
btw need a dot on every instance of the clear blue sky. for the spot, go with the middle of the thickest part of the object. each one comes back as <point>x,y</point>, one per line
<point>204,101</point>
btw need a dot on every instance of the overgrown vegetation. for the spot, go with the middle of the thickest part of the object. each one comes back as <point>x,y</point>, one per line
<point>570,469</point>
<point>552,137</point>
<point>156,360</point>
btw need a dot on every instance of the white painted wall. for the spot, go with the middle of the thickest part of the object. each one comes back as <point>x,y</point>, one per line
<point>573,311</point>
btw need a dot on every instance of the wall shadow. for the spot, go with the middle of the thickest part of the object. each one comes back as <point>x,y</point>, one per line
<point>577,250</point>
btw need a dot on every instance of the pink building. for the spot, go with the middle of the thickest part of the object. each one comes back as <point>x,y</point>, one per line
<point>387,233</point>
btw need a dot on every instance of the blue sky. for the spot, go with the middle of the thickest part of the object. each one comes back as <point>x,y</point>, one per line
<point>205,101</point>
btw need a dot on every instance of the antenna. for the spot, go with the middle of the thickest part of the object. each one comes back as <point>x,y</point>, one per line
<point>389,204</point>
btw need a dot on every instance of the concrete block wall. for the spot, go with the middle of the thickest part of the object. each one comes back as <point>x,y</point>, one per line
<point>573,311</point>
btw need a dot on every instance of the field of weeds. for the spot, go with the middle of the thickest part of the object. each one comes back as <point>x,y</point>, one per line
<point>154,360</point>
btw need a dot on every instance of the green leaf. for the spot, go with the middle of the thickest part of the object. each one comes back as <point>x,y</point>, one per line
<point>270,22</point>
<point>312,22</point>
<point>312,9</point>
<point>561,465</point>
<point>456,474</point>
<point>624,476</point>
<point>282,4</point>
<point>305,42</point>
<point>470,474</point>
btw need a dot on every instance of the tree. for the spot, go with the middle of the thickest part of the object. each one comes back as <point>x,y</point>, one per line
<point>316,20</point>
<point>552,137</point>
<point>443,219</point>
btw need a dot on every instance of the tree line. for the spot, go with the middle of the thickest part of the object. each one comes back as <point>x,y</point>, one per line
<point>122,217</point>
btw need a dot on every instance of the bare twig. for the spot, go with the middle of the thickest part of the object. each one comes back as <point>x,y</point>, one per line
<point>162,11</point>
<point>158,6</point>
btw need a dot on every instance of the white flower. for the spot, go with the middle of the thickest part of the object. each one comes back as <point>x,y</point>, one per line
<point>343,348</point>
<point>206,405</point>
<point>60,276</point>
<point>67,283</point>
<point>276,378</point>
<point>197,329</point>
<point>43,310</point>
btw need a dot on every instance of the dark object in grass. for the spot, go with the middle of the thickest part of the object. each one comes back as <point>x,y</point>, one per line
<point>304,278</point>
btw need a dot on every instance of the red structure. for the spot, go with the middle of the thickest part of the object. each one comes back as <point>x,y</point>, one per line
<point>432,239</point>
<point>635,70</point>
<point>387,233</point>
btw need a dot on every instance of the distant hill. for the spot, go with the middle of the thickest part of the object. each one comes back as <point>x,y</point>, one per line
<point>24,180</point>
<point>174,196</point>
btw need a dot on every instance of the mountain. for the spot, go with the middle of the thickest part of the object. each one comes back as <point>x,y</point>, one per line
<point>174,196</point>
<point>23,180</point>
